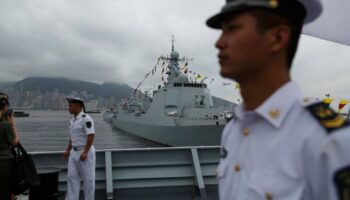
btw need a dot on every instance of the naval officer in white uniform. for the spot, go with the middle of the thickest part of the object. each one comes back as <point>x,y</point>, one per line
<point>280,145</point>
<point>81,152</point>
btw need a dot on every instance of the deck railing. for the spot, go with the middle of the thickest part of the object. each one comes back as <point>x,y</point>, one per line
<point>144,167</point>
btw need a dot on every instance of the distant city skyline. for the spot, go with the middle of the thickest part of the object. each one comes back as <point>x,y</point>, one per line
<point>23,99</point>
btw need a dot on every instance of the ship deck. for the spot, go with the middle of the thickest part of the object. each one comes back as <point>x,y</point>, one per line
<point>146,173</point>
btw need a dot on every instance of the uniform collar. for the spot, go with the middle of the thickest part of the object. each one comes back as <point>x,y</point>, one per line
<point>276,107</point>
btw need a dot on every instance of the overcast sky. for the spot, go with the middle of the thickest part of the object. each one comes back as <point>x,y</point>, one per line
<point>120,41</point>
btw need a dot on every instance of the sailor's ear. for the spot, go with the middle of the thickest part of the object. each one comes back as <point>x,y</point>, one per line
<point>279,37</point>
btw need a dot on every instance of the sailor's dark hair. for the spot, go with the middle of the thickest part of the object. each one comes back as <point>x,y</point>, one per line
<point>267,20</point>
<point>82,105</point>
<point>3,100</point>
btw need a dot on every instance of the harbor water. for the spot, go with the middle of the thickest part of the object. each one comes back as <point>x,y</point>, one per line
<point>48,131</point>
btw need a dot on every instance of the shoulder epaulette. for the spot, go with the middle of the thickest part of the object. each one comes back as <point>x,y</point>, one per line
<point>327,117</point>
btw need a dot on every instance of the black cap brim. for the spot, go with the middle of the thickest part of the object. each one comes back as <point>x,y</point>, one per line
<point>215,21</point>
<point>311,8</point>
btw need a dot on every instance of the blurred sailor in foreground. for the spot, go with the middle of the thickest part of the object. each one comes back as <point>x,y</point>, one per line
<point>279,146</point>
<point>81,152</point>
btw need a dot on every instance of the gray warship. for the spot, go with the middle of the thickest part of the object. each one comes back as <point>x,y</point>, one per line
<point>178,113</point>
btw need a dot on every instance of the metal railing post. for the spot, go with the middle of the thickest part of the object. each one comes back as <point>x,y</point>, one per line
<point>109,174</point>
<point>199,175</point>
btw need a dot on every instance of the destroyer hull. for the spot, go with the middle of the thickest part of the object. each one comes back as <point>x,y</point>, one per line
<point>194,135</point>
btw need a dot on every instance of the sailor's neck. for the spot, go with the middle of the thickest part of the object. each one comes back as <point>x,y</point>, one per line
<point>257,91</point>
<point>77,114</point>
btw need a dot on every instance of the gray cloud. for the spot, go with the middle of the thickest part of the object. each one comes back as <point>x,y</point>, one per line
<point>120,41</point>
<point>323,67</point>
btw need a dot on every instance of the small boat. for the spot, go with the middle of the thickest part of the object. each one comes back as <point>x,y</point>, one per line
<point>20,114</point>
<point>93,111</point>
<point>109,114</point>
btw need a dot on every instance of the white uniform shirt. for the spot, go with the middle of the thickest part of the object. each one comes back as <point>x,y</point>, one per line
<point>280,151</point>
<point>80,127</point>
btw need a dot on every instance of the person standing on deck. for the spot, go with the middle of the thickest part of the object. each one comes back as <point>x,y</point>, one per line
<point>81,152</point>
<point>8,138</point>
<point>279,146</point>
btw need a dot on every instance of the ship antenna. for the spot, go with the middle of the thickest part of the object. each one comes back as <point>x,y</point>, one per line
<point>172,41</point>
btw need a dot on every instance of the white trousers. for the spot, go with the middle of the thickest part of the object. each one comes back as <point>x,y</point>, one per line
<point>81,170</point>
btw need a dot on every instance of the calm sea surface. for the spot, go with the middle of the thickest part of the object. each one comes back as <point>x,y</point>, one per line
<point>48,131</point>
